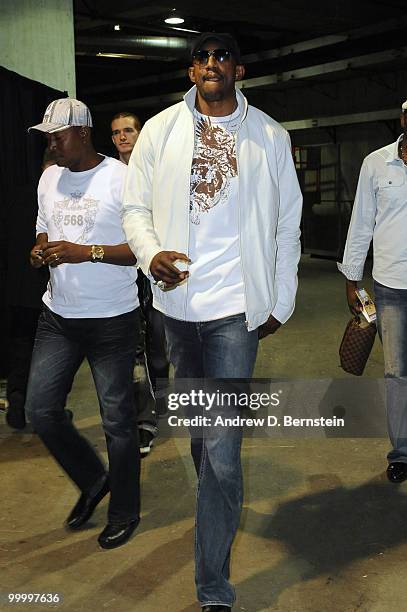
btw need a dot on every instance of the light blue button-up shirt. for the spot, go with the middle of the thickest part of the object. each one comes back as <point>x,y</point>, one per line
<point>379,212</point>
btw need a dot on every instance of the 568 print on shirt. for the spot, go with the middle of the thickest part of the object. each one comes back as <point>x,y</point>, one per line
<point>74,217</point>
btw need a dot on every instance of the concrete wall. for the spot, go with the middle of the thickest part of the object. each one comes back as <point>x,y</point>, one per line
<point>37,41</point>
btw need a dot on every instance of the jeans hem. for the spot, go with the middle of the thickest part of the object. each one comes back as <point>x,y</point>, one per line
<point>124,521</point>
<point>146,426</point>
<point>215,603</point>
<point>401,459</point>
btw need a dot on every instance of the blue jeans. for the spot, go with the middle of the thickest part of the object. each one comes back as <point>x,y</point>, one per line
<point>391,306</point>
<point>109,345</point>
<point>215,350</point>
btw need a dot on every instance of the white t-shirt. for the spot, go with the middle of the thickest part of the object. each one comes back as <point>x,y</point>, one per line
<point>215,283</point>
<point>86,208</point>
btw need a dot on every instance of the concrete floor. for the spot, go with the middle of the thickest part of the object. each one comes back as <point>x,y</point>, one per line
<point>322,530</point>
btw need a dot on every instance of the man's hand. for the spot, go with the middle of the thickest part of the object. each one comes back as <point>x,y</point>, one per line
<point>163,269</point>
<point>353,301</point>
<point>269,327</point>
<point>61,251</point>
<point>36,255</point>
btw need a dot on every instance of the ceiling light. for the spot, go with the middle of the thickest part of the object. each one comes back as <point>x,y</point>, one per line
<point>174,18</point>
<point>117,27</point>
<point>186,30</point>
<point>122,55</point>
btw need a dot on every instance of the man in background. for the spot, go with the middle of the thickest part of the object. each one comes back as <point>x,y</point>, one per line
<point>90,310</point>
<point>152,349</point>
<point>125,130</point>
<point>380,214</point>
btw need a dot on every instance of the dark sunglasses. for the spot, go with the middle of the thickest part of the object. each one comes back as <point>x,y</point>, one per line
<point>221,55</point>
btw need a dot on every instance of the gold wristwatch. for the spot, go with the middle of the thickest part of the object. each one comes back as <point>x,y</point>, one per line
<point>97,253</point>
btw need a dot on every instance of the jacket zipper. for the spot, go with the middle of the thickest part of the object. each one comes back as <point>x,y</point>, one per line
<point>188,226</point>
<point>240,240</point>
<point>187,279</point>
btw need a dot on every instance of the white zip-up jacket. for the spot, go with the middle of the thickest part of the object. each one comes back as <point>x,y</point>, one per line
<point>156,206</point>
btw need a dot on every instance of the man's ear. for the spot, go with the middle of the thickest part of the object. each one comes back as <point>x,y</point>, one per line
<point>191,74</point>
<point>84,133</point>
<point>403,120</point>
<point>240,71</point>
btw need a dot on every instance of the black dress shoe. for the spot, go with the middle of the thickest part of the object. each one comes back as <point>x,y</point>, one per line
<point>115,535</point>
<point>216,608</point>
<point>86,504</point>
<point>397,472</point>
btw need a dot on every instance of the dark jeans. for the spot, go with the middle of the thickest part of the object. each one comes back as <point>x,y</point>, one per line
<point>109,345</point>
<point>215,350</point>
<point>391,307</point>
<point>155,354</point>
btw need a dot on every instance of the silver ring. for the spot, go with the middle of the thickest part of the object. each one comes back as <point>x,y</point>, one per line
<point>56,257</point>
<point>161,285</point>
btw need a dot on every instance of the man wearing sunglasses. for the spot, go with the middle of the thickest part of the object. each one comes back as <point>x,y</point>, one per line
<point>212,210</point>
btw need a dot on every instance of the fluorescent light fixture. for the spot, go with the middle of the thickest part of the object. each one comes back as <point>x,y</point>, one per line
<point>120,55</point>
<point>130,56</point>
<point>186,30</point>
<point>174,18</point>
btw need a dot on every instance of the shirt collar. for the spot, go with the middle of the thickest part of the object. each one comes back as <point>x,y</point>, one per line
<point>242,103</point>
<point>395,151</point>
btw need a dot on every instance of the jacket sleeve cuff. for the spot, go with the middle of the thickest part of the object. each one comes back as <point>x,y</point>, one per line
<point>145,263</point>
<point>281,313</point>
<point>354,273</point>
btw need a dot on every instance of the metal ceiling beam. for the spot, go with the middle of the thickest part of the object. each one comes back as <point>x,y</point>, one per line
<point>142,55</point>
<point>353,63</point>
<point>300,47</point>
<point>325,41</point>
<point>323,122</point>
<point>173,44</point>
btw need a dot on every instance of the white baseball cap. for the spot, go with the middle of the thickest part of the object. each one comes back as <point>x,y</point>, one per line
<point>404,106</point>
<point>62,114</point>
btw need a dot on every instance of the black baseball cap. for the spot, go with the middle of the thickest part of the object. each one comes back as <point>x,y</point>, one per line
<point>225,40</point>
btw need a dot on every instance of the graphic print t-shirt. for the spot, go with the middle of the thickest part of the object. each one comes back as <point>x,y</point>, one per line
<point>215,284</point>
<point>86,208</point>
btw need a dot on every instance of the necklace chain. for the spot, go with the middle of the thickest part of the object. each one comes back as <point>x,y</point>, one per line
<point>198,115</point>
